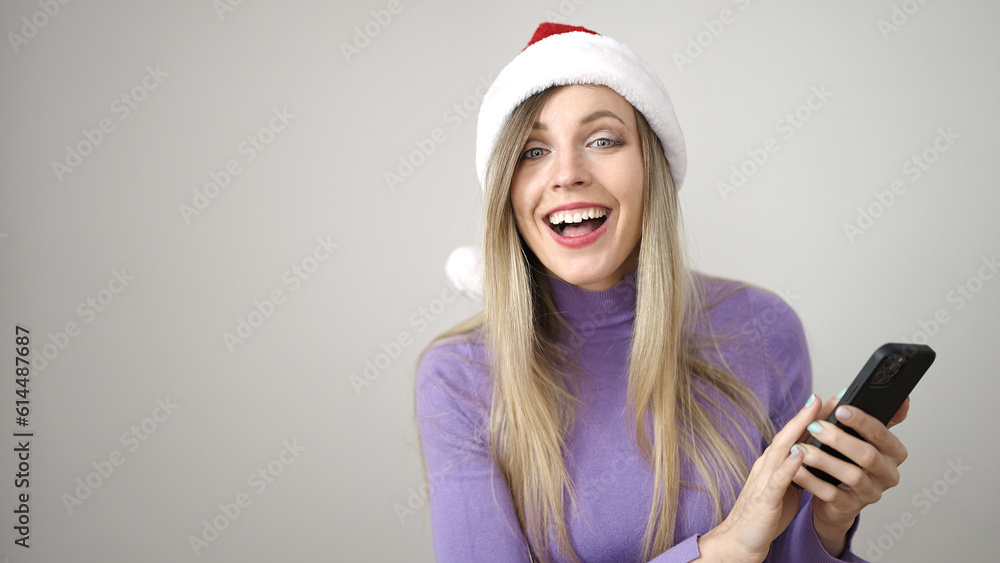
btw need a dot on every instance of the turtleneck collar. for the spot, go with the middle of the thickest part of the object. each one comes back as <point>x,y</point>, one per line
<point>597,315</point>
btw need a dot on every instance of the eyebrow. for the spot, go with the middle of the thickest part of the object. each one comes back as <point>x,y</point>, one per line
<point>589,118</point>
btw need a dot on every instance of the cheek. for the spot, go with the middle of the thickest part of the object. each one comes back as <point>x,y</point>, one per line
<point>632,231</point>
<point>519,218</point>
<point>632,201</point>
<point>639,212</point>
<point>522,205</point>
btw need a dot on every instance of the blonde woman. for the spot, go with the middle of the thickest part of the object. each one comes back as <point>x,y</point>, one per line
<point>609,404</point>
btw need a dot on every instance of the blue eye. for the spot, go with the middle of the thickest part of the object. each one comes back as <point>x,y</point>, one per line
<point>604,143</point>
<point>533,153</point>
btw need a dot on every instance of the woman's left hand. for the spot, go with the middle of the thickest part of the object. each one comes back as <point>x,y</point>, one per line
<point>878,459</point>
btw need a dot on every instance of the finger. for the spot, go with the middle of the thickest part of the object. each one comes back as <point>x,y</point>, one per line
<point>869,460</point>
<point>756,468</point>
<point>873,431</point>
<point>900,415</point>
<point>854,479</point>
<point>770,484</point>
<point>796,427</point>
<point>830,404</point>
<point>824,413</point>
<point>782,477</point>
<point>819,488</point>
<point>841,503</point>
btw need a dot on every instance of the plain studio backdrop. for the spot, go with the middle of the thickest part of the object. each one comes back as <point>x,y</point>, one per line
<point>224,227</point>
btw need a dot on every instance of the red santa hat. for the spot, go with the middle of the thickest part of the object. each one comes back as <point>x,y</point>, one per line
<point>558,55</point>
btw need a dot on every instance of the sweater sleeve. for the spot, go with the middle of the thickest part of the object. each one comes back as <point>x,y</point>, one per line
<point>682,552</point>
<point>472,511</point>
<point>785,349</point>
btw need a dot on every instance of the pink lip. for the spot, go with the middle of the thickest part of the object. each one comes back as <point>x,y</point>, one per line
<point>582,240</point>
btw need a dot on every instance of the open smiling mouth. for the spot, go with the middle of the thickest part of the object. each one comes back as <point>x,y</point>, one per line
<point>577,222</point>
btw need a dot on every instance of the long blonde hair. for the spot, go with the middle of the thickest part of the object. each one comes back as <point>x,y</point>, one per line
<point>533,399</point>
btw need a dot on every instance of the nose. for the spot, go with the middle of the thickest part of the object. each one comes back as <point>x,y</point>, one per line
<point>571,170</point>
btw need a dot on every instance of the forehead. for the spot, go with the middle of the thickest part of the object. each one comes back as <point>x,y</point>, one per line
<point>569,104</point>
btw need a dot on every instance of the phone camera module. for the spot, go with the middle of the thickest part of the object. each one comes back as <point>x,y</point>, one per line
<point>888,370</point>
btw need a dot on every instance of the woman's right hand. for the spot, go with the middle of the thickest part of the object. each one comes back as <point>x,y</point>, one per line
<point>767,503</point>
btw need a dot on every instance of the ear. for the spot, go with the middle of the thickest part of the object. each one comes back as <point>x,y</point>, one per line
<point>465,270</point>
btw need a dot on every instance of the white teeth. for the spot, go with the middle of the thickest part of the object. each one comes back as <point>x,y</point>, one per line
<point>577,215</point>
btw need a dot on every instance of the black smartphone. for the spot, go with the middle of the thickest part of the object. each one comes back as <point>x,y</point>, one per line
<point>880,389</point>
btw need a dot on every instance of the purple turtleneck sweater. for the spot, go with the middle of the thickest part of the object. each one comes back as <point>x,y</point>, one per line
<point>472,513</point>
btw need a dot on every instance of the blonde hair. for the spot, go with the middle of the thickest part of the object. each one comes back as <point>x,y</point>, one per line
<point>533,400</point>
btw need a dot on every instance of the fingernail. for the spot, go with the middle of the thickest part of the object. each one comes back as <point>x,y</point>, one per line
<point>810,400</point>
<point>843,413</point>
<point>796,451</point>
<point>841,394</point>
<point>814,427</point>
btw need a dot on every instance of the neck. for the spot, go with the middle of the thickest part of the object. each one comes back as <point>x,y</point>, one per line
<point>597,315</point>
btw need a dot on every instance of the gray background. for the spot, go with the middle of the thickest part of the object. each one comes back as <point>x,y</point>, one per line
<point>345,496</point>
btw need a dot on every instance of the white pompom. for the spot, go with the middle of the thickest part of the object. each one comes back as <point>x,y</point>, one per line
<point>465,270</point>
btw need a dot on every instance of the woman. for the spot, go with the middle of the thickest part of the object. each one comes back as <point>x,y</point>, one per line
<point>609,404</point>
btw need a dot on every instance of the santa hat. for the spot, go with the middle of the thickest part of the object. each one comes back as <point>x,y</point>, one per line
<point>562,54</point>
<point>558,55</point>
